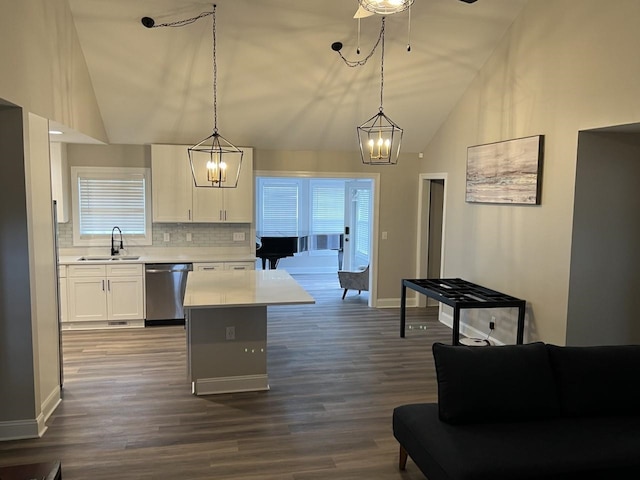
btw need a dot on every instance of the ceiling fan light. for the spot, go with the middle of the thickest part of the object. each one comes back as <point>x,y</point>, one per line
<point>385,7</point>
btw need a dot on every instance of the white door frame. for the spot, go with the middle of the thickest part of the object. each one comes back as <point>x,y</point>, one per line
<point>350,216</point>
<point>422,243</point>
<point>375,217</point>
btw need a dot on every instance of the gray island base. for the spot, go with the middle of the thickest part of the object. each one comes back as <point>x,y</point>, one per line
<point>226,321</point>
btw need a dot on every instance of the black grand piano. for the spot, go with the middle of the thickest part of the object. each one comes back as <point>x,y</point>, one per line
<point>273,248</point>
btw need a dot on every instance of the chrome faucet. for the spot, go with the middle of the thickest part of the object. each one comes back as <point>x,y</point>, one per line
<point>115,250</point>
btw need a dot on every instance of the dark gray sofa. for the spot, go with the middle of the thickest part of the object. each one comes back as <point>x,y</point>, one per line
<point>532,411</point>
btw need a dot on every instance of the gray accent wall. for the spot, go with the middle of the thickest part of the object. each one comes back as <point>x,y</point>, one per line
<point>17,373</point>
<point>604,305</point>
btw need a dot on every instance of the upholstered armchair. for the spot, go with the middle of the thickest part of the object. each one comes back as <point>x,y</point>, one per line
<point>354,280</point>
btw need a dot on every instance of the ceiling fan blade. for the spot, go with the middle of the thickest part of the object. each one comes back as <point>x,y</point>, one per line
<point>362,13</point>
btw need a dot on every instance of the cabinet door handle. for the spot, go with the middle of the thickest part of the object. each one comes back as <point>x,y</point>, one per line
<point>109,285</point>
<point>189,214</point>
<point>208,268</point>
<point>225,214</point>
<point>103,285</point>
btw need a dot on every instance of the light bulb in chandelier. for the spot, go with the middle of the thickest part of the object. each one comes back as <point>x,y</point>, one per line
<point>216,171</point>
<point>380,149</point>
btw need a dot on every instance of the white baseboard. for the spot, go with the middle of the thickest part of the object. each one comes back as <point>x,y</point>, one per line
<point>243,383</point>
<point>466,330</point>
<point>395,303</point>
<point>32,427</point>
<point>51,403</point>
<point>21,429</point>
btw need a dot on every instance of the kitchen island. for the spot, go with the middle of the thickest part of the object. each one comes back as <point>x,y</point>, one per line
<point>226,321</point>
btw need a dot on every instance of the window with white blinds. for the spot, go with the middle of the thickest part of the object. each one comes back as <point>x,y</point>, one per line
<point>327,206</point>
<point>279,206</point>
<point>107,197</point>
<point>299,206</point>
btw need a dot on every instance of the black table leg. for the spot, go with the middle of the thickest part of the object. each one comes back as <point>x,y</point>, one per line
<point>456,326</point>
<point>520,332</point>
<point>403,309</point>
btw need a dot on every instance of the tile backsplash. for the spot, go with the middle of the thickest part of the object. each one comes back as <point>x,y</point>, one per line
<point>202,234</point>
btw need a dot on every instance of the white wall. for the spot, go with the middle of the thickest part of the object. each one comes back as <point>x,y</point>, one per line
<point>43,67</point>
<point>42,268</point>
<point>564,66</point>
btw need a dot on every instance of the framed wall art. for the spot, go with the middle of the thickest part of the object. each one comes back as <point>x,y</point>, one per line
<point>507,172</point>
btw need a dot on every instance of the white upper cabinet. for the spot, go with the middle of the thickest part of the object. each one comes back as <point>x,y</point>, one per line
<point>177,199</point>
<point>171,184</point>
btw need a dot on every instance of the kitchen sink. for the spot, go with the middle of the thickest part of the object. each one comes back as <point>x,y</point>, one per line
<point>108,259</point>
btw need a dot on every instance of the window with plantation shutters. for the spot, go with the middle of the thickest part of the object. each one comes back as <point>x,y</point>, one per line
<point>107,197</point>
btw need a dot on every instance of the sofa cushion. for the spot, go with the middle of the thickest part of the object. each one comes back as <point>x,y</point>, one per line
<point>554,449</point>
<point>597,380</point>
<point>494,384</point>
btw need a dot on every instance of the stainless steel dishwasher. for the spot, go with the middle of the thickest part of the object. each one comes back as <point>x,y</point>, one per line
<point>165,285</point>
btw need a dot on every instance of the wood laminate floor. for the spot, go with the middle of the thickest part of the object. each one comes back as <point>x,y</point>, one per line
<point>336,370</point>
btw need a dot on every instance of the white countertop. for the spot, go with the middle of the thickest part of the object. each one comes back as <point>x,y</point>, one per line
<point>162,258</point>
<point>242,288</point>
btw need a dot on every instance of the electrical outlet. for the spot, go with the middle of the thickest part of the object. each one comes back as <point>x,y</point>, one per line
<point>189,237</point>
<point>167,237</point>
<point>492,323</point>
<point>230,333</point>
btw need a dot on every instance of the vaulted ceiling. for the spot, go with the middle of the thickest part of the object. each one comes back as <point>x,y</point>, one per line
<point>280,85</point>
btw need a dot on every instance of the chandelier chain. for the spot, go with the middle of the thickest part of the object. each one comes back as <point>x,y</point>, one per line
<point>359,63</point>
<point>215,76</point>
<point>182,23</point>
<point>382,64</point>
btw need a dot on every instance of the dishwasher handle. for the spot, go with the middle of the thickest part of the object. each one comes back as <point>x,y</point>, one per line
<point>170,268</point>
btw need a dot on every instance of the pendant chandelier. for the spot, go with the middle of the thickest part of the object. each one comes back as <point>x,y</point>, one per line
<point>380,137</point>
<point>385,7</point>
<point>215,162</point>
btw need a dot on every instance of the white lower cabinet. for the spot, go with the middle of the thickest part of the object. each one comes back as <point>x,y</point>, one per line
<point>239,265</point>
<point>208,266</point>
<point>105,296</point>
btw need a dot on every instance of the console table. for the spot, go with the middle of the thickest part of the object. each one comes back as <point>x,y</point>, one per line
<point>461,294</point>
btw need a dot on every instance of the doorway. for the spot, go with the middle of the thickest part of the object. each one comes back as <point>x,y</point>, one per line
<point>359,210</point>
<point>431,230</point>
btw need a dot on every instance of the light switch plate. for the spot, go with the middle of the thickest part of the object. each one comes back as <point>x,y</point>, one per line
<point>189,237</point>
<point>238,236</point>
<point>166,237</point>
